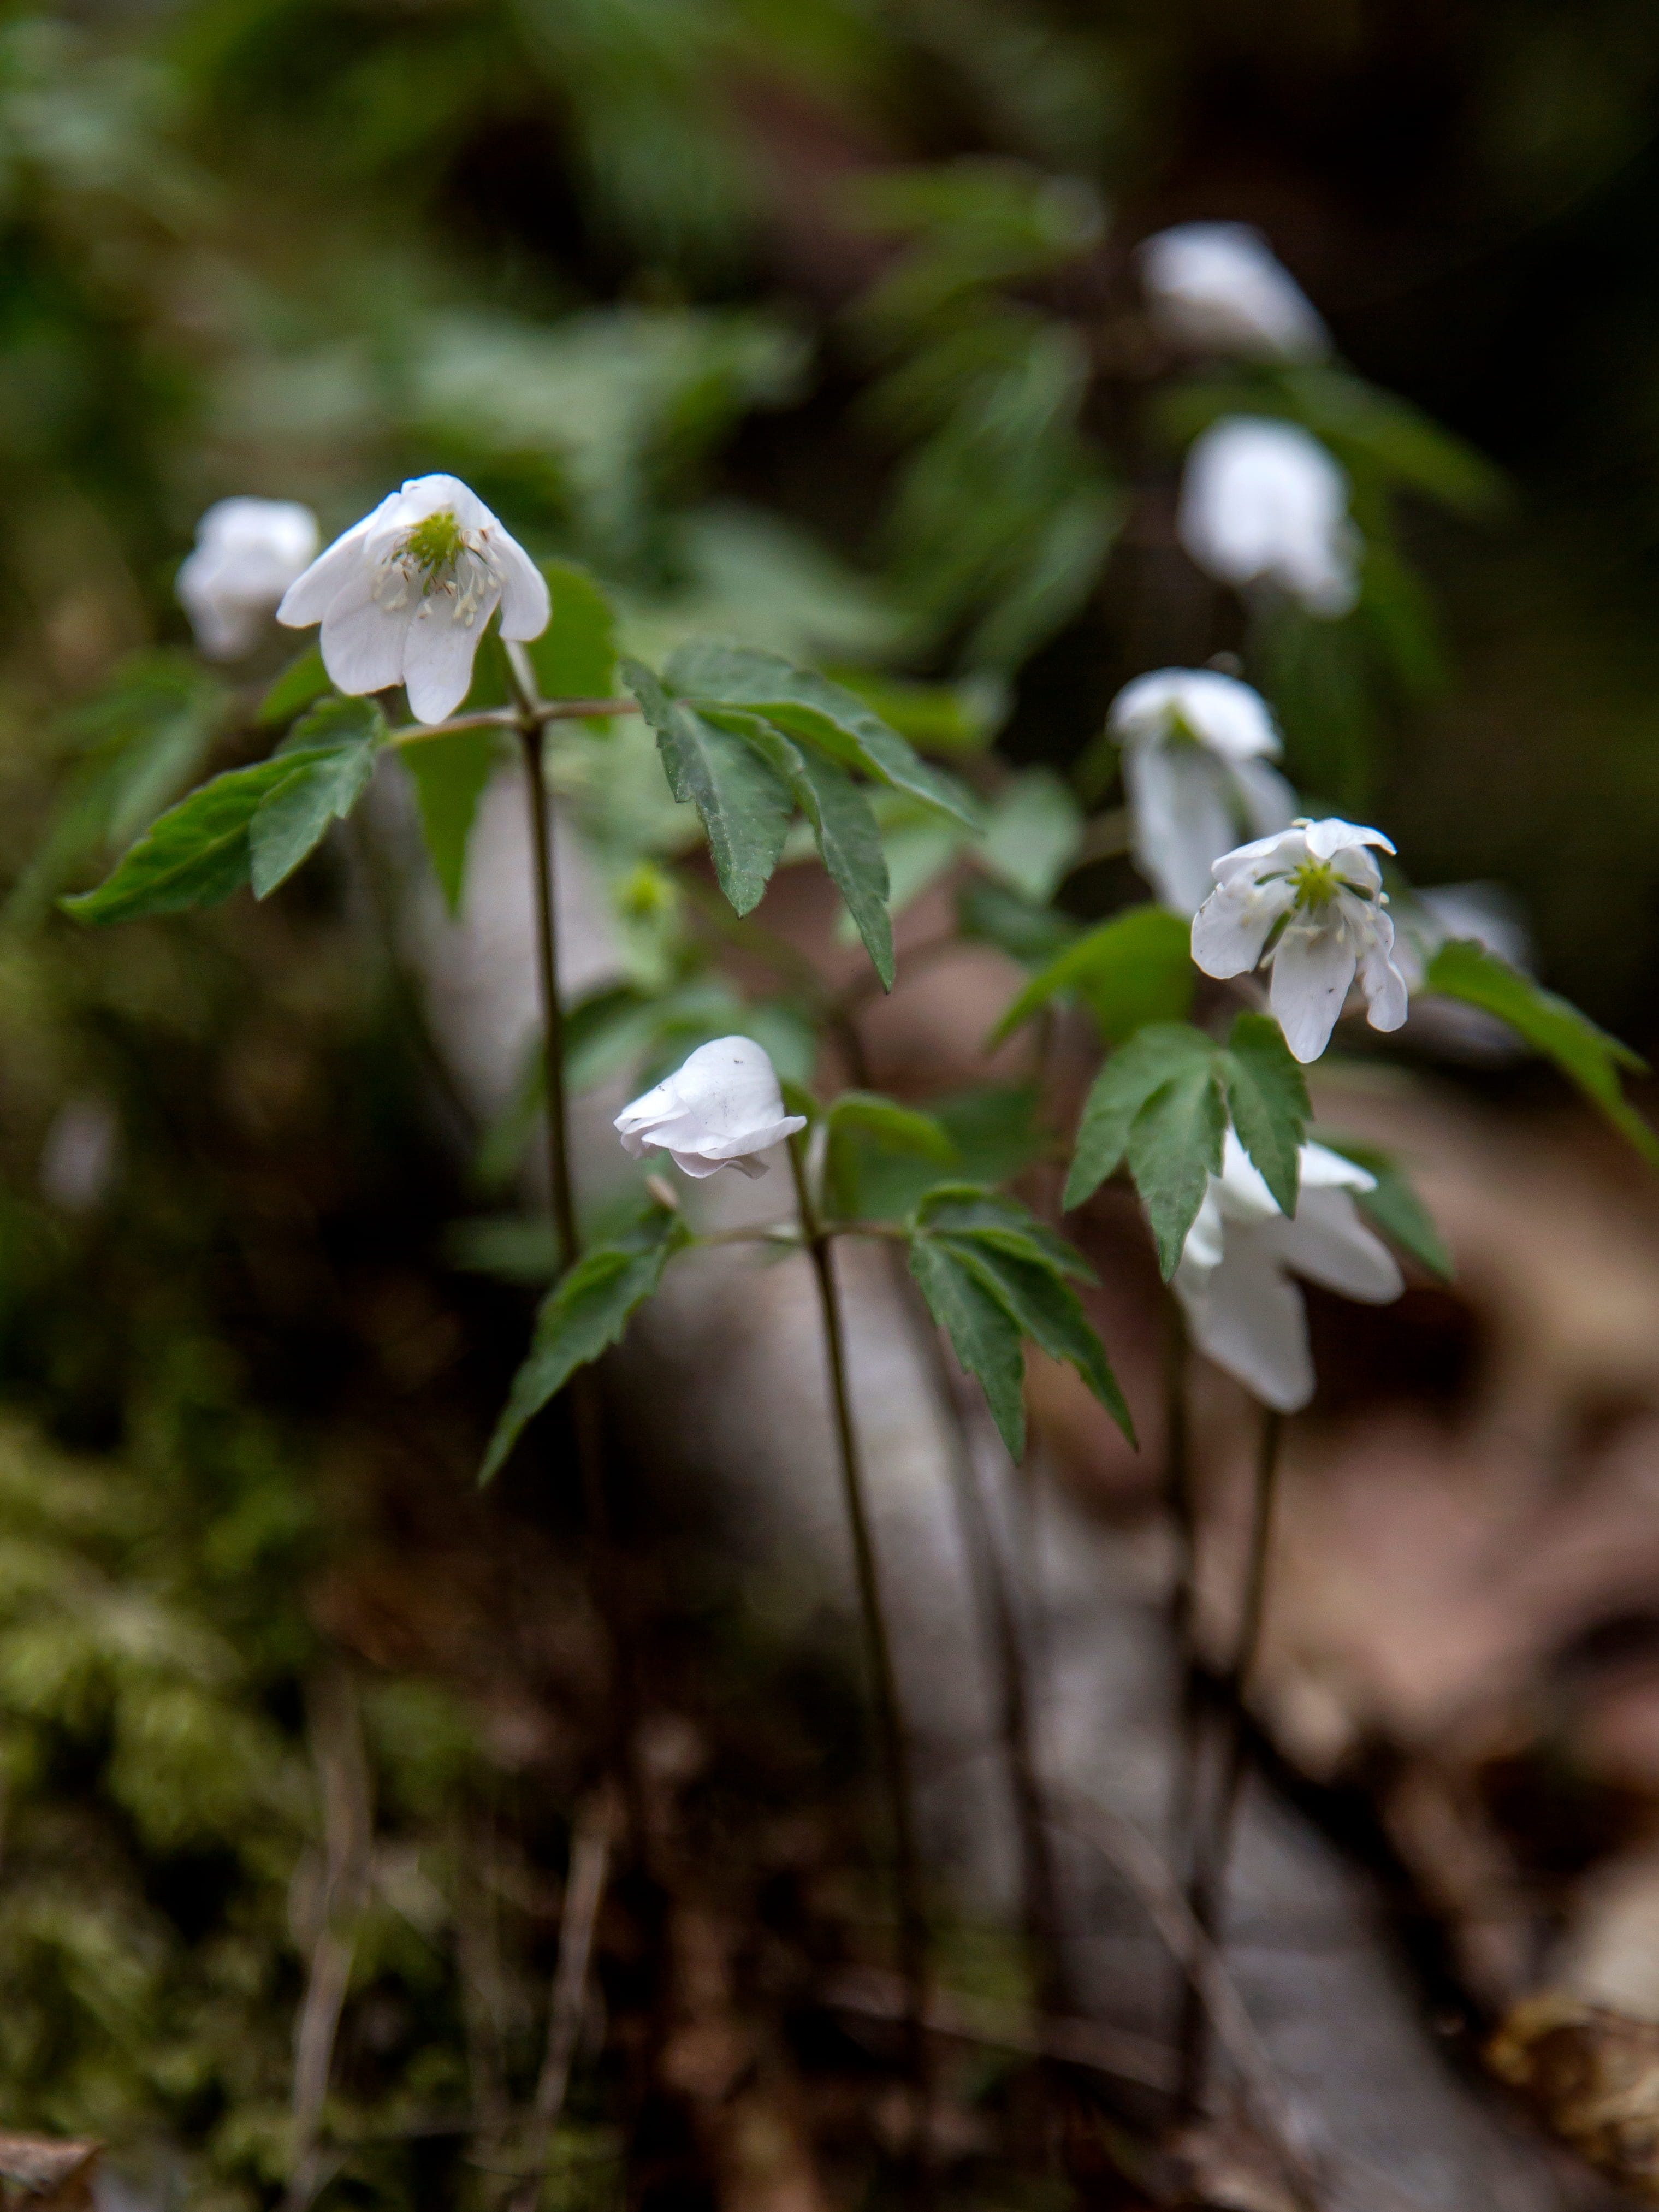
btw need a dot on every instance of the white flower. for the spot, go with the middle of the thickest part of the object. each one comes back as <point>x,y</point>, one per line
<point>248,551</point>
<point>1193,767</point>
<point>721,1109</point>
<point>1218,288</point>
<point>1318,880</point>
<point>1263,501</point>
<point>1234,1280</point>
<point>406,595</point>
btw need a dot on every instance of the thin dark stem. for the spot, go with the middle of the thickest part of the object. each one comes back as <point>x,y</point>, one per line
<point>547,976</point>
<point>1207,1895</point>
<point>907,1868</point>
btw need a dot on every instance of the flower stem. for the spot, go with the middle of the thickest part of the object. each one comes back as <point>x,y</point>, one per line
<point>1206,1895</point>
<point>547,973</point>
<point>907,1870</point>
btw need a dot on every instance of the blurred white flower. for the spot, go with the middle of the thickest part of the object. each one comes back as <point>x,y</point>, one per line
<point>1196,772</point>
<point>1263,501</point>
<point>1234,1280</point>
<point>1318,880</point>
<point>721,1109</point>
<point>1219,288</point>
<point>406,594</point>
<point>1489,914</point>
<point>247,553</point>
<point>80,1156</point>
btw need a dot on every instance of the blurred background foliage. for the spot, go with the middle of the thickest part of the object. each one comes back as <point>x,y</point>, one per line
<point>810,321</point>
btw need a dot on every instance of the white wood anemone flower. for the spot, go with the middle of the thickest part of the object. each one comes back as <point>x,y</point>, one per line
<point>722,1108</point>
<point>1233,1281</point>
<point>406,594</point>
<point>248,552</point>
<point>1197,747</point>
<point>1317,892</point>
<point>1219,288</point>
<point>1262,502</point>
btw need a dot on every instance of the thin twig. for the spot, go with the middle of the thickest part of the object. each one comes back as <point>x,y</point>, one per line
<point>907,1870</point>
<point>590,1860</point>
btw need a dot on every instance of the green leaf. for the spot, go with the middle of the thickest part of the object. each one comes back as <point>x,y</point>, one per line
<point>1034,829</point>
<point>1046,1309</point>
<point>449,774</point>
<point>575,656</point>
<point>196,854</point>
<point>960,1208</point>
<point>942,718</point>
<point>293,818</point>
<point>849,845</point>
<point>303,680</point>
<point>744,805</point>
<point>1134,969</point>
<point>984,1337</point>
<point>1394,1206</point>
<point>1133,1074</point>
<point>898,1128</point>
<point>1267,1098</point>
<point>581,1317</point>
<point>1175,1147</point>
<point>808,706</point>
<point>1025,933</point>
<point>1587,1055</point>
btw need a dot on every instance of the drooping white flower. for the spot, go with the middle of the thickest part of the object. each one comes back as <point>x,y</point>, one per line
<point>406,594</point>
<point>1234,1280</point>
<point>1317,886</point>
<point>1219,288</point>
<point>247,553</point>
<point>1262,502</point>
<point>723,1109</point>
<point>1196,746</point>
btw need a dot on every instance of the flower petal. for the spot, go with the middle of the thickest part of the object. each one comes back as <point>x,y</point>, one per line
<point>309,597</point>
<point>1251,1319</point>
<point>1267,800</point>
<point>439,651</point>
<point>1386,995</point>
<point>362,641</point>
<point>1329,1244</point>
<point>1313,969</point>
<point>1333,835</point>
<point>1234,923</point>
<point>527,608</point>
<point>1180,821</point>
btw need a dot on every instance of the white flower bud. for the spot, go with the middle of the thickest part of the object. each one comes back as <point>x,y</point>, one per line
<point>1218,288</point>
<point>406,594</point>
<point>248,551</point>
<point>1263,501</point>
<point>721,1109</point>
<point>1234,1280</point>
<point>1196,775</point>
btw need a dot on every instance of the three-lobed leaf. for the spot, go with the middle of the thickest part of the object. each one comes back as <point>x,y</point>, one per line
<point>1553,1027</point>
<point>585,1313</point>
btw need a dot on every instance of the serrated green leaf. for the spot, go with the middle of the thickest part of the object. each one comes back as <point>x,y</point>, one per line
<point>575,656</point>
<point>1045,1308</point>
<point>1175,1147</point>
<point>849,845</point>
<point>984,1338</point>
<point>1393,1206</point>
<point>581,1317</point>
<point>304,679</point>
<point>1267,1098</point>
<point>1152,1057</point>
<point>294,817</point>
<point>450,776</point>
<point>826,715</point>
<point>960,1208</point>
<point>1133,971</point>
<point>744,803</point>
<point>196,855</point>
<point>1553,1026</point>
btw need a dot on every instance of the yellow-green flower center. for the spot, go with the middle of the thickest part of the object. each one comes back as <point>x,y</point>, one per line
<point>436,542</point>
<point>1316,883</point>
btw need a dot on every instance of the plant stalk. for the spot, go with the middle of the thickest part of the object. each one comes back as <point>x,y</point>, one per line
<point>1207,1893</point>
<point>907,1867</point>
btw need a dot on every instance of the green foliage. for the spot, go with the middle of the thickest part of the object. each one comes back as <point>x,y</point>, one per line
<point>585,1314</point>
<point>859,1120</point>
<point>1585,1055</point>
<point>575,656</point>
<point>303,681</point>
<point>449,774</point>
<point>1394,1206</point>
<point>993,1275</point>
<point>1162,1102</point>
<point>1136,969</point>
<point>250,824</point>
<point>744,807</point>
